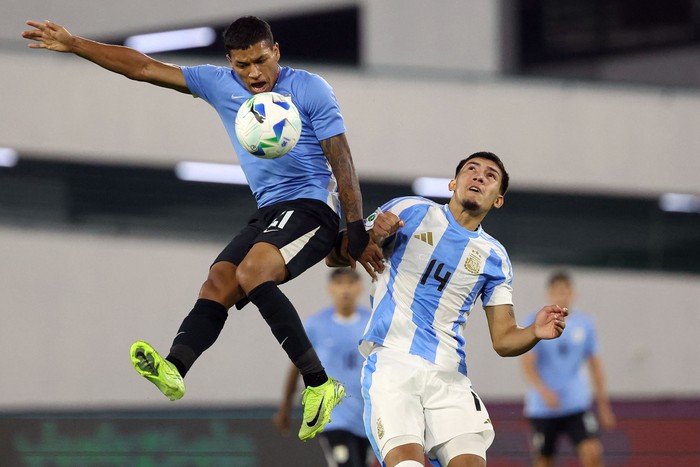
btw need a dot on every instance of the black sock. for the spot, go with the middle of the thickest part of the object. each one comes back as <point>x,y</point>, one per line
<point>198,331</point>
<point>284,321</point>
<point>311,369</point>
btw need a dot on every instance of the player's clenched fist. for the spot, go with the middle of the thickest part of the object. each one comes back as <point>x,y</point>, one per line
<point>385,225</point>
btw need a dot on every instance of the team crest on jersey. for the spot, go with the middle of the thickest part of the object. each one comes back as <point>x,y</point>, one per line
<point>380,428</point>
<point>473,262</point>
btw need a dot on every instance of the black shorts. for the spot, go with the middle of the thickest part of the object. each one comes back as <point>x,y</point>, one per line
<point>578,427</point>
<point>344,449</point>
<point>304,230</point>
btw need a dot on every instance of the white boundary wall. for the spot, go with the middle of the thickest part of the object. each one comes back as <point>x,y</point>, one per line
<point>553,136</point>
<point>438,35</point>
<point>72,304</point>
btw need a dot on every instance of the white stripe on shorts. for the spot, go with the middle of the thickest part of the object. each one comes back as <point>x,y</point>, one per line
<point>290,250</point>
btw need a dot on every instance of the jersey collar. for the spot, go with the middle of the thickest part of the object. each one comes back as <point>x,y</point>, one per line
<point>453,222</point>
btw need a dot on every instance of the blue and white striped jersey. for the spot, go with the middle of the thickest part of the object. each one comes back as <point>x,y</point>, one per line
<point>436,270</point>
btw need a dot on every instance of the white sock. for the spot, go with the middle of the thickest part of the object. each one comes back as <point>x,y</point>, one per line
<point>409,464</point>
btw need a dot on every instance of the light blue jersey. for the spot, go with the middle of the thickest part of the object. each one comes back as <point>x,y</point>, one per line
<point>304,172</point>
<point>561,364</point>
<point>335,342</point>
<point>436,271</point>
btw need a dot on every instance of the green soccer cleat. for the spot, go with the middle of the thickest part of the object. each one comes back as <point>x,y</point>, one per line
<point>318,403</point>
<point>149,364</point>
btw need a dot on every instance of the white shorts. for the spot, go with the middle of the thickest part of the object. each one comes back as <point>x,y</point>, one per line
<point>411,400</point>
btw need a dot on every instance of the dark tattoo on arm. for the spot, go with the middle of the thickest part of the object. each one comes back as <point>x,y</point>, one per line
<point>337,152</point>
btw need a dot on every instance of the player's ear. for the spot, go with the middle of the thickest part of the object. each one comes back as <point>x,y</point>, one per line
<point>499,201</point>
<point>452,185</point>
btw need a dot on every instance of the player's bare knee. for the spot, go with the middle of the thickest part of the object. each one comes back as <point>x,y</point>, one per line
<point>226,296</point>
<point>591,452</point>
<point>248,277</point>
<point>253,272</point>
<point>221,285</point>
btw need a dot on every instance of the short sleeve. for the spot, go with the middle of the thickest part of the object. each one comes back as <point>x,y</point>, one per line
<point>197,78</point>
<point>323,109</point>
<point>498,289</point>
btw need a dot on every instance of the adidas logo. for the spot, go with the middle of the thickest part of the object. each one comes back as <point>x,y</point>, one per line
<point>426,237</point>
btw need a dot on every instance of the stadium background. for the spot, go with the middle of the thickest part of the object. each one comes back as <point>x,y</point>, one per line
<point>593,105</point>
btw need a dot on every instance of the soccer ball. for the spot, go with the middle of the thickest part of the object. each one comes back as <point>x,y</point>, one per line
<point>268,125</point>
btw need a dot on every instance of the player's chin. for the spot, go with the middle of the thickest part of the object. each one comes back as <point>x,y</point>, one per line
<point>471,204</point>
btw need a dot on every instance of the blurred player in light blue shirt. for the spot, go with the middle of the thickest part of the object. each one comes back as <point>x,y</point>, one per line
<point>560,398</point>
<point>334,333</point>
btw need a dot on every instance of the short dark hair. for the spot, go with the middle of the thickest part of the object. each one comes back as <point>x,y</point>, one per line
<point>246,31</point>
<point>560,276</point>
<point>505,178</point>
<point>340,272</point>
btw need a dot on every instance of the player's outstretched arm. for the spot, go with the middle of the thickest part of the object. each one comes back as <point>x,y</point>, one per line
<point>510,340</point>
<point>360,248</point>
<point>122,60</point>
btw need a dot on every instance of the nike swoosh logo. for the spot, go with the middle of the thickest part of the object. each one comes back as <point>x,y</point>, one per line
<point>318,413</point>
<point>271,229</point>
<point>234,97</point>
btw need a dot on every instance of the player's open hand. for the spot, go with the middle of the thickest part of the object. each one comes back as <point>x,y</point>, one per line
<point>48,35</point>
<point>282,421</point>
<point>550,398</point>
<point>371,259</point>
<point>606,417</point>
<point>550,322</point>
